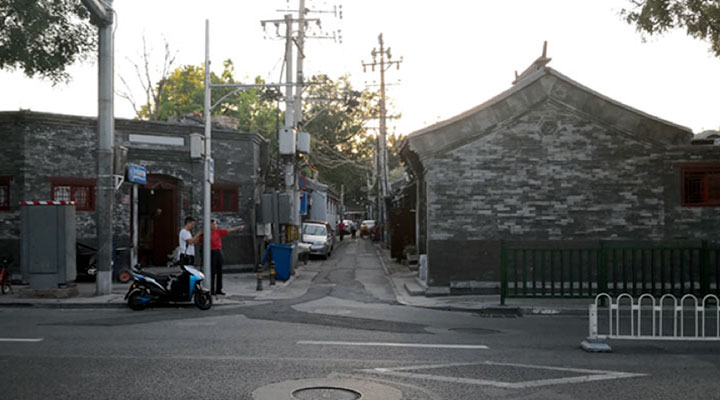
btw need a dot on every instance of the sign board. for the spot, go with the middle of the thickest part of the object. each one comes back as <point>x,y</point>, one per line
<point>137,174</point>
<point>211,171</point>
<point>303,203</point>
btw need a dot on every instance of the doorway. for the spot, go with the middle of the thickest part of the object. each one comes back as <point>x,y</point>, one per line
<point>157,220</point>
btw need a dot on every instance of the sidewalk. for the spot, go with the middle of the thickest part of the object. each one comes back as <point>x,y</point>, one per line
<point>240,289</point>
<point>409,291</point>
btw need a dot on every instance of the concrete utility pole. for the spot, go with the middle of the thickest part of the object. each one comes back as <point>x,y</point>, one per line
<point>209,169</point>
<point>300,78</point>
<point>382,158</point>
<point>102,17</point>
<point>207,163</point>
<point>293,102</point>
<point>288,166</point>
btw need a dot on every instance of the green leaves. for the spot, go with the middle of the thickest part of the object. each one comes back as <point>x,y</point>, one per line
<point>700,18</point>
<point>43,37</point>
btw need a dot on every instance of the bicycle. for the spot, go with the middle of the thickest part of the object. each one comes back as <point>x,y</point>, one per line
<point>5,280</point>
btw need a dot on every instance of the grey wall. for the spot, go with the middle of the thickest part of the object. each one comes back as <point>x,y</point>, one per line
<point>39,146</point>
<point>553,173</point>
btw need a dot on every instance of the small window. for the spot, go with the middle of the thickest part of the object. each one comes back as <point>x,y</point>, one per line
<point>224,198</point>
<point>701,185</point>
<point>81,191</point>
<point>4,193</point>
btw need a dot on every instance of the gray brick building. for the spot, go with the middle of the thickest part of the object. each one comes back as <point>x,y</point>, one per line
<point>52,157</point>
<point>550,160</point>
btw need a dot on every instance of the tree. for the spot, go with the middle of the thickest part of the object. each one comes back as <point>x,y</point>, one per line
<point>181,92</point>
<point>152,91</point>
<point>700,18</point>
<point>43,37</point>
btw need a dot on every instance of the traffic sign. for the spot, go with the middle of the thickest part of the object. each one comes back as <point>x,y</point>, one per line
<point>137,174</point>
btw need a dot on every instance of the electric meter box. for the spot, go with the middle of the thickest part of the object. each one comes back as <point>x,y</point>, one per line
<point>303,142</point>
<point>286,139</point>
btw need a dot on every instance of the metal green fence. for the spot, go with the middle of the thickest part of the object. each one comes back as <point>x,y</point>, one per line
<point>613,268</point>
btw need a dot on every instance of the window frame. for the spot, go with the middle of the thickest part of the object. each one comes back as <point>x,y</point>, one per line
<point>6,182</point>
<point>75,183</point>
<point>224,188</point>
<point>705,170</point>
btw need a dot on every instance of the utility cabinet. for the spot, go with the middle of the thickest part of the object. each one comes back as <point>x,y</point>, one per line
<point>47,246</point>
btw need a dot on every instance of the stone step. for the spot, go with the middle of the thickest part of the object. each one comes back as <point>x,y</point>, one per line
<point>414,289</point>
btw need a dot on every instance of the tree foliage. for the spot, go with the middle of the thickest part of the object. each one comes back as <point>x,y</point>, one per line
<point>700,18</point>
<point>43,37</point>
<point>334,113</point>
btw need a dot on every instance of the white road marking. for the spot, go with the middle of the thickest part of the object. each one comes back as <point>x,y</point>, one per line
<point>590,375</point>
<point>31,340</point>
<point>386,344</point>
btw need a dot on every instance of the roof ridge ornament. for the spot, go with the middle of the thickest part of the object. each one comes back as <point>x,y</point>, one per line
<point>537,65</point>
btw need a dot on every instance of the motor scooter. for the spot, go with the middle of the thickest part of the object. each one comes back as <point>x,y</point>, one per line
<point>148,288</point>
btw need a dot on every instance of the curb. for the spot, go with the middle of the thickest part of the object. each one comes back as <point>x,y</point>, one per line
<point>89,306</point>
<point>509,311</point>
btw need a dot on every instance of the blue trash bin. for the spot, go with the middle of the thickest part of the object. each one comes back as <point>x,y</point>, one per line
<point>282,255</point>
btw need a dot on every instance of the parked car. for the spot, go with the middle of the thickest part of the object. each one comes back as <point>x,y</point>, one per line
<point>367,227</point>
<point>319,235</point>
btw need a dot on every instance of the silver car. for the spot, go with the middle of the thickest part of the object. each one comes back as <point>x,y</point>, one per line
<point>319,238</point>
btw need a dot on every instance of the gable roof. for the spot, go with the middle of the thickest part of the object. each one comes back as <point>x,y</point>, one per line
<point>535,87</point>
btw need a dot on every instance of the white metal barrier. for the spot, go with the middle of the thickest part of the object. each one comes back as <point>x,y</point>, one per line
<point>655,312</point>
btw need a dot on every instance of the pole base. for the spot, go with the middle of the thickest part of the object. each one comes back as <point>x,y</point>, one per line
<point>595,346</point>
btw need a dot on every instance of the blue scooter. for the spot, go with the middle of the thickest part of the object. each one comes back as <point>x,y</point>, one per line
<point>150,288</point>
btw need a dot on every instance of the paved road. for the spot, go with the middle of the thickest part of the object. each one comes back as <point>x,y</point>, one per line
<point>344,331</point>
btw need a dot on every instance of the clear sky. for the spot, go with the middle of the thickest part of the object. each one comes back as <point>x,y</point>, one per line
<point>457,54</point>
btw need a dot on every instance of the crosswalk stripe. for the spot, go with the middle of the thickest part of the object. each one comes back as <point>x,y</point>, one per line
<point>388,344</point>
<point>21,339</point>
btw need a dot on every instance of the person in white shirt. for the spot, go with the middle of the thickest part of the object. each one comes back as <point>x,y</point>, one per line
<point>187,242</point>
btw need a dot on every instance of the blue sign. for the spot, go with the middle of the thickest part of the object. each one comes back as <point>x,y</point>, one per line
<point>303,203</point>
<point>137,174</point>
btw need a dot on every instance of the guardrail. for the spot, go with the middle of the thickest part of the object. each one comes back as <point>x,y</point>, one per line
<point>649,318</point>
<point>562,271</point>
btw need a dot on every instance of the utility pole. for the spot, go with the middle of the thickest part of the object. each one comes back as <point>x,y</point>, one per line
<point>288,166</point>
<point>209,169</point>
<point>102,17</point>
<point>300,78</point>
<point>382,159</point>
<point>207,163</point>
<point>293,102</point>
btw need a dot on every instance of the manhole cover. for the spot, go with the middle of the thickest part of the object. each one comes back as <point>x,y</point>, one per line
<point>349,388</point>
<point>326,393</point>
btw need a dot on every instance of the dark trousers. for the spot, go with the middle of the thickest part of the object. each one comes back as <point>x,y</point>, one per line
<point>216,265</point>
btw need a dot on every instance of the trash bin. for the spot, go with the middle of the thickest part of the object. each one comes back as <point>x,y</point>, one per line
<point>282,255</point>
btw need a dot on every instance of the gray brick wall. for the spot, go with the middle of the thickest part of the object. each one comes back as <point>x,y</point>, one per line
<point>554,173</point>
<point>40,146</point>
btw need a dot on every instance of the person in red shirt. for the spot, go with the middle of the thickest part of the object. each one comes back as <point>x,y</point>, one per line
<point>216,256</point>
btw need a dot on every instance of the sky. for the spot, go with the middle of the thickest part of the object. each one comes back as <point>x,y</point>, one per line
<point>456,54</point>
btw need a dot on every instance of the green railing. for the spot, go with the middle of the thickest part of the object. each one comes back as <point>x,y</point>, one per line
<point>613,268</point>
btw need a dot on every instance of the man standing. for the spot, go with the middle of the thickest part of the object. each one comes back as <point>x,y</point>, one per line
<point>216,256</point>
<point>187,242</point>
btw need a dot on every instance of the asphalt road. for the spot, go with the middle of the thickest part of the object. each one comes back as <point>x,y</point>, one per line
<point>345,334</point>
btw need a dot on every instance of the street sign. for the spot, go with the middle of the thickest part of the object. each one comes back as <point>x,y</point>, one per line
<point>211,171</point>
<point>137,174</point>
<point>303,203</point>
